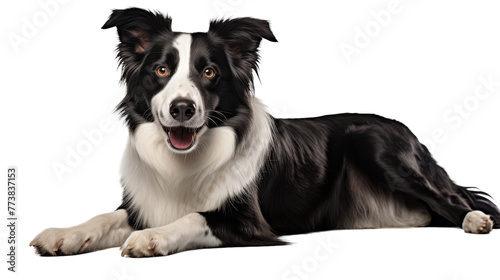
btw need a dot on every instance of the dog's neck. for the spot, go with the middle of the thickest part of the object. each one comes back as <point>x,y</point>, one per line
<point>220,167</point>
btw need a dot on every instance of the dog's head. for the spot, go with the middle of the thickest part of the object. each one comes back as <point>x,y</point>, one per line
<point>186,83</point>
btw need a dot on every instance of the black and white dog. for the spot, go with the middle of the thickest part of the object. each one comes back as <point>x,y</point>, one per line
<point>207,166</point>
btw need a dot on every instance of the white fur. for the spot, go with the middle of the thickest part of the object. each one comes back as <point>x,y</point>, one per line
<point>188,232</point>
<point>389,211</point>
<point>101,232</point>
<point>477,222</point>
<point>377,209</point>
<point>165,186</point>
<point>179,86</point>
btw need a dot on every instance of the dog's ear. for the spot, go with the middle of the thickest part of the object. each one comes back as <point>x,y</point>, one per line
<point>242,36</point>
<point>136,27</point>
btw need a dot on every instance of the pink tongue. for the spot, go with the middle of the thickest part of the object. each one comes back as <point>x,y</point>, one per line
<point>181,138</point>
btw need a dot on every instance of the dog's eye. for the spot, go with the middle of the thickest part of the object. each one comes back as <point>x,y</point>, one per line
<point>162,71</point>
<point>209,73</point>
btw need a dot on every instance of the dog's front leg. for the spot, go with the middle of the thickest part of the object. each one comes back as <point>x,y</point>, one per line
<point>101,232</point>
<point>238,223</point>
<point>188,232</point>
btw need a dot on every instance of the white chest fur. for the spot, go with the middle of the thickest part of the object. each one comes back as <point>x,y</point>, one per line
<point>165,186</point>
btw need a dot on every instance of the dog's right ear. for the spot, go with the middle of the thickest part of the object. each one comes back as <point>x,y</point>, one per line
<point>136,27</point>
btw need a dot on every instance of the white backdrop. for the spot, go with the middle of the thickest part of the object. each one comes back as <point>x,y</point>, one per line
<point>434,65</point>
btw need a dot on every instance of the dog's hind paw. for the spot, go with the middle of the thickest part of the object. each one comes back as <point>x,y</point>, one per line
<point>477,222</point>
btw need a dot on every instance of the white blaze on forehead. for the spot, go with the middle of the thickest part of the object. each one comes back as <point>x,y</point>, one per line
<point>183,45</point>
<point>180,85</point>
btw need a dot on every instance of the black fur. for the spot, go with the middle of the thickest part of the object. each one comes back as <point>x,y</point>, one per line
<point>305,185</point>
<point>239,222</point>
<point>318,169</point>
<point>132,212</point>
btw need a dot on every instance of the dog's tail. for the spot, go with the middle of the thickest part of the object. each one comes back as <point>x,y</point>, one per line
<point>479,200</point>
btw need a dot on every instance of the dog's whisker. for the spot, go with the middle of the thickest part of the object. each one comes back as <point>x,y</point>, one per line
<point>188,184</point>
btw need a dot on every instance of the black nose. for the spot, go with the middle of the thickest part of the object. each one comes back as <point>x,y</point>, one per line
<point>182,109</point>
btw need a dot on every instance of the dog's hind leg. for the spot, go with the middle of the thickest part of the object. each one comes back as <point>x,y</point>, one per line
<point>424,179</point>
<point>483,214</point>
<point>401,163</point>
<point>433,188</point>
<point>101,232</point>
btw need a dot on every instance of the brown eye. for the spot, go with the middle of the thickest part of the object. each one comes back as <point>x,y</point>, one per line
<point>209,73</point>
<point>162,71</point>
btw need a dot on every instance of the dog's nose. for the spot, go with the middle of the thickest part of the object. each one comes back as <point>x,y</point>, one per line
<point>182,109</point>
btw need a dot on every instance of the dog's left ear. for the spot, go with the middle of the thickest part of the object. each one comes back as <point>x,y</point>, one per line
<point>136,27</point>
<point>242,36</point>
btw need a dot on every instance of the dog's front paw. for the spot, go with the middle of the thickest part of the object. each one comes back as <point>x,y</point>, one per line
<point>477,222</point>
<point>62,241</point>
<point>146,243</point>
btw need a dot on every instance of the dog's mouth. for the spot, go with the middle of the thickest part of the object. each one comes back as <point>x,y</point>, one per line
<point>181,138</point>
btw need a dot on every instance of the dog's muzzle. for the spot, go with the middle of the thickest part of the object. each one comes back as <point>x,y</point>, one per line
<point>182,130</point>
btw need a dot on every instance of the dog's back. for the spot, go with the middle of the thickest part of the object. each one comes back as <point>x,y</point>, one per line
<point>207,166</point>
